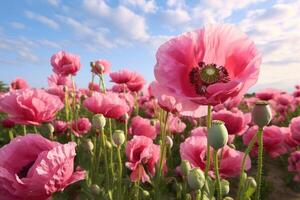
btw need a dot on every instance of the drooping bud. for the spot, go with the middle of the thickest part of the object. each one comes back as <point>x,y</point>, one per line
<point>118,137</point>
<point>98,121</point>
<point>250,183</point>
<point>146,194</point>
<point>217,134</point>
<point>169,141</point>
<point>261,114</point>
<point>88,145</point>
<point>108,144</point>
<point>185,167</point>
<point>228,198</point>
<point>196,178</point>
<point>224,187</point>
<point>95,189</point>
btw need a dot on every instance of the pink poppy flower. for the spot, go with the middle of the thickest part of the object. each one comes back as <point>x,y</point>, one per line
<point>142,153</point>
<point>136,83</point>
<point>296,93</point>
<point>294,164</point>
<point>235,122</point>
<point>94,87</point>
<point>119,88</point>
<point>59,81</point>
<point>230,164</point>
<point>199,131</point>
<point>295,129</point>
<point>169,104</point>
<point>60,126</point>
<point>65,64</point>
<point>33,168</point>
<point>108,104</point>
<point>101,67</point>
<point>209,65</point>
<point>284,99</point>
<point>174,124</point>
<point>288,139</point>
<point>7,123</point>
<point>120,77</point>
<point>18,84</point>
<point>267,94</point>
<point>188,108</point>
<point>142,126</point>
<point>273,140</point>
<point>30,106</point>
<point>81,126</point>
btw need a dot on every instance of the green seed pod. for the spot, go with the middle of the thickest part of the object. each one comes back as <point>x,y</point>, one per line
<point>98,121</point>
<point>118,137</point>
<point>261,114</point>
<point>250,183</point>
<point>224,187</point>
<point>217,135</point>
<point>185,167</point>
<point>196,178</point>
<point>95,189</point>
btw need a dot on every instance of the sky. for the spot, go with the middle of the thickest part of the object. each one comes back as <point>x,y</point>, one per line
<point>128,33</point>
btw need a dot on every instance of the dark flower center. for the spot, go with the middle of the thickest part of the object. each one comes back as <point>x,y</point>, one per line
<point>23,172</point>
<point>204,75</point>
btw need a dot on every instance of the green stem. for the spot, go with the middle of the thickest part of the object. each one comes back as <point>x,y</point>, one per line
<point>111,150</point>
<point>136,104</point>
<point>120,196</point>
<point>247,152</point>
<point>93,79</point>
<point>198,195</point>
<point>102,83</point>
<point>259,162</point>
<point>10,134</point>
<point>24,130</point>
<point>35,130</point>
<point>103,139</point>
<point>218,186</point>
<point>67,104</point>
<point>207,164</point>
<point>126,130</point>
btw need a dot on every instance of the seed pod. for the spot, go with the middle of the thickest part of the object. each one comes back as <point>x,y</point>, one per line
<point>261,114</point>
<point>118,137</point>
<point>196,178</point>
<point>95,189</point>
<point>98,121</point>
<point>88,145</point>
<point>217,134</point>
<point>169,141</point>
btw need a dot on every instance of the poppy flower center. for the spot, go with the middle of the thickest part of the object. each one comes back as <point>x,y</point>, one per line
<point>204,75</point>
<point>23,172</point>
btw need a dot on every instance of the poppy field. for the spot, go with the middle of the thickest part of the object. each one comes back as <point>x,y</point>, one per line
<point>193,133</point>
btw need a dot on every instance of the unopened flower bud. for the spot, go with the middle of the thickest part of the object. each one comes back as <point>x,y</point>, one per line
<point>217,134</point>
<point>250,183</point>
<point>88,145</point>
<point>98,121</point>
<point>100,68</point>
<point>169,141</point>
<point>153,122</point>
<point>118,137</point>
<point>188,197</point>
<point>261,114</point>
<point>228,198</point>
<point>146,194</point>
<point>95,189</point>
<point>108,144</point>
<point>185,167</point>
<point>196,178</point>
<point>224,187</point>
<point>232,146</point>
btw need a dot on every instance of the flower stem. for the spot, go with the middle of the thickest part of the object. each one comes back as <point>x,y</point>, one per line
<point>102,83</point>
<point>207,164</point>
<point>24,130</point>
<point>120,196</point>
<point>111,151</point>
<point>11,134</point>
<point>103,139</point>
<point>259,162</point>
<point>247,152</point>
<point>218,186</point>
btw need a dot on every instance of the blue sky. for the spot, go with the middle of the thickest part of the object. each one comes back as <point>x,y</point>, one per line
<point>128,32</point>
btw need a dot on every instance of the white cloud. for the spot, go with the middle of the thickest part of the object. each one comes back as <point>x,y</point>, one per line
<point>54,2</point>
<point>174,17</point>
<point>127,23</point>
<point>17,25</point>
<point>147,6</point>
<point>42,19</point>
<point>51,44</point>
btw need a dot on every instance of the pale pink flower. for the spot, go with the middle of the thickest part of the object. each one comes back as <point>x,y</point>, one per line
<point>108,104</point>
<point>288,139</point>
<point>267,94</point>
<point>199,131</point>
<point>235,122</point>
<point>174,124</point>
<point>142,153</point>
<point>81,126</point>
<point>284,99</point>
<point>136,83</point>
<point>295,129</point>
<point>33,168</point>
<point>18,84</point>
<point>169,104</point>
<point>65,63</point>
<point>30,106</point>
<point>94,87</point>
<point>120,88</point>
<point>101,67</point>
<point>55,80</point>
<point>273,140</point>
<point>60,126</point>
<point>209,65</point>
<point>122,76</point>
<point>142,126</point>
<point>294,164</point>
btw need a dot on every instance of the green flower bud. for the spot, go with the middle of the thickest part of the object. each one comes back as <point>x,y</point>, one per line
<point>108,144</point>
<point>50,128</point>
<point>188,197</point>
<point>95,189</point>
<point>98,121</point>
<point>224,187</point>
<point>169,141</point>
<point>217,134</point>
<point>261,114</point>
<point>146,194</point>
<point>196,178</point>
<point>99,67</point>
<point>153,122</point>
<point>88,145</point>
<point>250,183</point>
<point>232,146</point>
<point>118,137</point>
<point>228,198</point>
<point>185,167</point>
